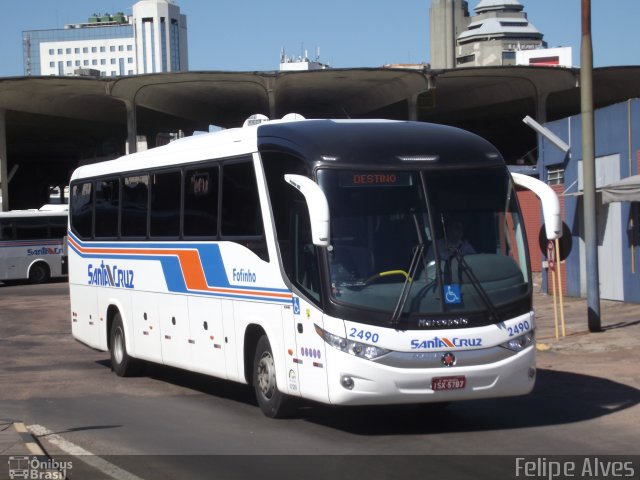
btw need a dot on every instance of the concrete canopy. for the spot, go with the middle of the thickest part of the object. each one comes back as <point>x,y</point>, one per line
<point>54,123</point>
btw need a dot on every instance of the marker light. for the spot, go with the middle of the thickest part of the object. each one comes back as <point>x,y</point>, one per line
<point>419,158</point>
<point>357,349</point>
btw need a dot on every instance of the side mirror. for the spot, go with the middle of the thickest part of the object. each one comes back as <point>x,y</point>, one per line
<point>317,205</point>
<point>549,200</point>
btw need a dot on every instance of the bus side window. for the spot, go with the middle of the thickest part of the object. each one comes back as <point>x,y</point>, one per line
<point>305,262</point>
<point>57,227</point>
<point>135,200</point>
<point>241,213</point>
<point>291,217</point>
<point>164,218</point>
<point>6,229</point>
<point>82,209</point>
<point>106,208</point>
<point>201,202</point>
<point>31,228</point>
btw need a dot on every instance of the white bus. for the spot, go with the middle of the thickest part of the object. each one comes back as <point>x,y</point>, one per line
<point>299,257</point>
<point>31,244</point>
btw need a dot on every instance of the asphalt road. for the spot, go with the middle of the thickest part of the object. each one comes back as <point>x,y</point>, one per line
<point>174,421</point>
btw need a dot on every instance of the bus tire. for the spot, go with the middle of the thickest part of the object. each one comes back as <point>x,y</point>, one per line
<point>121,362</point>
<point>272,402</point>
<point>39,273</point>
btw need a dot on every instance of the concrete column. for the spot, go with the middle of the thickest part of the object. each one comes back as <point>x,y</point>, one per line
<point>4,172</point>
<point>270,86</point>
<point>132,126</point>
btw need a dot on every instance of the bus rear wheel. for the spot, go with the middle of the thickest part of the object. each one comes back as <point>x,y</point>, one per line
<point>121,363</point>
<point>39,273</point>
<point>272,402</point>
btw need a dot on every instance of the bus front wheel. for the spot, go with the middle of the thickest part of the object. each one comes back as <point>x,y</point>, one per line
<point>121,362</point>
<point>272,402</point>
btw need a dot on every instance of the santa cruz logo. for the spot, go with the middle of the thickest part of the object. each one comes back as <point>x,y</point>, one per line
<point>110,276</point>
<point>44,251</point>
<point>443,342</point>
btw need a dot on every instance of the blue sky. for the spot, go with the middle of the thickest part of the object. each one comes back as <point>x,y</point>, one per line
<point>247,35</point>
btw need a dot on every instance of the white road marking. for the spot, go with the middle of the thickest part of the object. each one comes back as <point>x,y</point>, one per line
<point>85,456</point>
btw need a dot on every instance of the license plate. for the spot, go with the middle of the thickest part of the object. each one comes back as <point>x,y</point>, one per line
<point>448,383</point>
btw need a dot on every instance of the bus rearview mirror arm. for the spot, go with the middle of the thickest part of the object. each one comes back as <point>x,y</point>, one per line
<point>549,200</point>
<point>317,205</point>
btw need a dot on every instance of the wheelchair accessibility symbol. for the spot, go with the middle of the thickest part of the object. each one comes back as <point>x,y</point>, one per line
<point>296,306</point>
<point>452,294</point>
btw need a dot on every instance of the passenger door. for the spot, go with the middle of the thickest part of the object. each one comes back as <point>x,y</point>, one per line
<point>310,353</point>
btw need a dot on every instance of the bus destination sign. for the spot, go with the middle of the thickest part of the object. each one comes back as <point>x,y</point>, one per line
<point>375,179</point>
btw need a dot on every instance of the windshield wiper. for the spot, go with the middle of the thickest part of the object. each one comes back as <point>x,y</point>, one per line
<point>406,287</point>
<point>462,263</point>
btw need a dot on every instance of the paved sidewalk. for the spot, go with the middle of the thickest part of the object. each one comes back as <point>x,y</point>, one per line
<point>620,324</point>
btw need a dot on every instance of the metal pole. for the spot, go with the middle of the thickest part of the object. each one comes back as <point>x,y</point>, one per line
<point>4,162</point>
<point>589,170</point>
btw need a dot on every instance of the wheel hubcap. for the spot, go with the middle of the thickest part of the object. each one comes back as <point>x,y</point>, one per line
<point>118,346</point>
<point>266,375</point>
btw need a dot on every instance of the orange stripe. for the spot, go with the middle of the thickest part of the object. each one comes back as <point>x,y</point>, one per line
<point>191,269</point>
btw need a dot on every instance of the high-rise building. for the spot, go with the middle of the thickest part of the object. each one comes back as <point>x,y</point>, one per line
<point>448,19</point>
<point>153,39</point>
<point>492,37</point>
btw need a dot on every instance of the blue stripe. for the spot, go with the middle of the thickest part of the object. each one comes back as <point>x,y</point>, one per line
<point>211,261</point>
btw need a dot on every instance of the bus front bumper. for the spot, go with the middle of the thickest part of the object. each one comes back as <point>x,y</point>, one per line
<point>356,381</point>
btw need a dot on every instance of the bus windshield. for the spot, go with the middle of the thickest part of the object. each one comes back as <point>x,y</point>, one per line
<point>425,242</point>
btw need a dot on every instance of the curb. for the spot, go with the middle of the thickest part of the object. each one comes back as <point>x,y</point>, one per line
<point>29,440</point>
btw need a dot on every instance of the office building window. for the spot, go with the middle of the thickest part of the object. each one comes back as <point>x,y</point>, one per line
<point>51,51</point>
<point>68,50</point>
<point>85,50</point>
<point>76,50</point>
<point>129,48</point>
<point>102,49</point>
<point>466,59</point>
<point>508,57</point>
<point>120,48</point>
<point>52,64</point>
<point>59,51</point>
<point>555,175</point>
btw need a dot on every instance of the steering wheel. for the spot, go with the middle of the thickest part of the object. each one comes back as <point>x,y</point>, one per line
<point>386,273</point>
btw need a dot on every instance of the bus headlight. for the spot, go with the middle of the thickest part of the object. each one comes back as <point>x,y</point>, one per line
<point>358,349</point>
<point>520,343</point>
